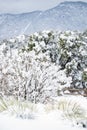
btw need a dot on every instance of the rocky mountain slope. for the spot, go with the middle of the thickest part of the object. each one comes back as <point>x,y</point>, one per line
<point>65,16</point>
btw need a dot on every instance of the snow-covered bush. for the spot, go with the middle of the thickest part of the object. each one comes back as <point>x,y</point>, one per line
<point>37,67</point>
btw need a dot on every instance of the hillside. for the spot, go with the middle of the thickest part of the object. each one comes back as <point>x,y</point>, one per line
<point>65,16</point>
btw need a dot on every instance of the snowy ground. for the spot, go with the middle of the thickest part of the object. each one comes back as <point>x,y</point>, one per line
<point>42,120</point>
<point>41,123</point>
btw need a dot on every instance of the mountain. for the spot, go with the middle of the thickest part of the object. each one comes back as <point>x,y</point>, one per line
<point>15,24</point>
<point>65,16</point>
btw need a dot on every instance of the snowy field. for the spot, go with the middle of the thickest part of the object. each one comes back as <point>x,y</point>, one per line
<point>44,122</point>
<point>46,118</point>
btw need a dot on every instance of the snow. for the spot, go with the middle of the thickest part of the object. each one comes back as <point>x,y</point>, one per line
<point>7,123</point>
<point>42,120</point>
<point>37,71</point>
<point>50,60</point>
<point>42,123</point>
<point>57,18</point>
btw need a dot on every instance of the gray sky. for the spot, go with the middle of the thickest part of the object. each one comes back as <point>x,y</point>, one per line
<point>19,6</point>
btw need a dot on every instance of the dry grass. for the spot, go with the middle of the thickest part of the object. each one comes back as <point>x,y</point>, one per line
<point>17,108</point>
<point>70,109</point>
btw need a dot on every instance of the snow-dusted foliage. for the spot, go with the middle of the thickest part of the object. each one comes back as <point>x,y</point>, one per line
<point>39,66</point>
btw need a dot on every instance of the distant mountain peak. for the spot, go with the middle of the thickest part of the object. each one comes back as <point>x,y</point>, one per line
<point>67,15</point>
<point>70,4</point>
<point>73,2</point>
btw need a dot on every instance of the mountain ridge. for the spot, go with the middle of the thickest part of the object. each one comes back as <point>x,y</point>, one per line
<point>65,16</point>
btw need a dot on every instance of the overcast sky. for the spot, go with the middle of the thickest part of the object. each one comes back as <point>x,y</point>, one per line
<point>20,6</point>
